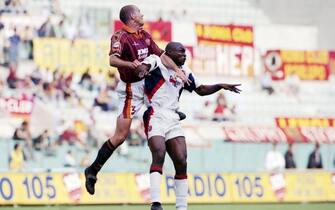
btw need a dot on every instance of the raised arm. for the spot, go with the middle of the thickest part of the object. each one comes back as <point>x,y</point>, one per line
<point>204,90</point>
<point>168,62</point>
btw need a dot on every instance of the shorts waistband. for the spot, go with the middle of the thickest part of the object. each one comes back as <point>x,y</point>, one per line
<point>133,83</point>
<point>162,109</point>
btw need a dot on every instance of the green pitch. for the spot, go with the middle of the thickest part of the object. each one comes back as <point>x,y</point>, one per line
<point>315,206</point>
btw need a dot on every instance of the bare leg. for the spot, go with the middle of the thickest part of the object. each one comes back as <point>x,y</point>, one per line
<point>176,149</point>
<point>106,150</point>
<point>158,150</point>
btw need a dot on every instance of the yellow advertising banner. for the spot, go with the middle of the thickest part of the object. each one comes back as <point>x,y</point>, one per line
<point>71,56</point>
<point>225,34</point>
<point>296,122</point>
<point>203,188</point>
<point>113,188</point>
<point>331,188</point>
<point>305,187</point>
<point>251,187</point>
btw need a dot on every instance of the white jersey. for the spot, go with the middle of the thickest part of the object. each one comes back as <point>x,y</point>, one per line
<point>162,88</point>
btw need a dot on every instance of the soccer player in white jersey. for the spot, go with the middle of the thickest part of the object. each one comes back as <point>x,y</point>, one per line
<point>162,91</point>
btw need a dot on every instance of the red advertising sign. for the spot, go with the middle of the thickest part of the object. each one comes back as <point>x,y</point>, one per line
<point>307,65</point>
<point>252,134</point>
<point>159,30</point>
<point>225,34</point>
<point>317,134</point>
<point>16,106</point>
<point>300,129</point>
<point>310,135</point>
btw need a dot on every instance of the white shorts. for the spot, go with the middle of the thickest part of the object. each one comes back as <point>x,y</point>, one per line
<point>130,98</point>
<point>163,123</point>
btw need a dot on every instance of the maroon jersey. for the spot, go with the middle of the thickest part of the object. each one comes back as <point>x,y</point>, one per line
<point>129,45</point>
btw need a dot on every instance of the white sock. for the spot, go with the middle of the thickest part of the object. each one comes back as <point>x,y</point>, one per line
<point>181,193</point>
<point>155,187</point>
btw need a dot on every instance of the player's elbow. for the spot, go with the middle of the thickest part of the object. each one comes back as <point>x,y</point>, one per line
<point>113,61</point>
<point>200,91</point>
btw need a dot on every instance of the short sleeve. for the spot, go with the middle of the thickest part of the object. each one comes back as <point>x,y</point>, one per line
<point>153,61</point>
<point>194,83</point>
<point>117,45</point>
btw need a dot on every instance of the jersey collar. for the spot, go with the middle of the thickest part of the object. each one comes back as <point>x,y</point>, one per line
<point>130,30</point>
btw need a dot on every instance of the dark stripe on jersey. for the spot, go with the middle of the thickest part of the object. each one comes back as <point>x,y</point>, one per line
<point>190,87</point>
<point>180,92</point>
<point>146,119</point>
<point>153,82</point>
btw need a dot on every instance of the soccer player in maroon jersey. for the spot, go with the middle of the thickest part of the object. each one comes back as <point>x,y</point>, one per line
<point>129,47</point>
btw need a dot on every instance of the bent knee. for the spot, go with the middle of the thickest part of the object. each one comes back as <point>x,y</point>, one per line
<point>158,156</point>
<point>122,133</point>
<point>119,138</point>
<point>181,161</point>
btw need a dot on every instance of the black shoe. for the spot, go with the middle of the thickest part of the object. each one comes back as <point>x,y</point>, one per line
<point>182,116</point>
<point>156,206</point>
<point>91,179</point>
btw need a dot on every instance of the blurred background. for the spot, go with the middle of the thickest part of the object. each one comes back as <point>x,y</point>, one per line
<point>58,101</point>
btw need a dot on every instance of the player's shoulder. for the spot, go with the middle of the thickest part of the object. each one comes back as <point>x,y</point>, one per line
<point>118,35</point>
<point>153,59</point>
<point>145,33</point>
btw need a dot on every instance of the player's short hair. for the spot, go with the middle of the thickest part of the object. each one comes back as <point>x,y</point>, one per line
<point>125,13</point>
<point>172,46</point>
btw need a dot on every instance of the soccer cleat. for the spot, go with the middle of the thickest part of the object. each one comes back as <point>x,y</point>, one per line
<point>182,116</point>
<point>91,179</point>
<point>156,206</point>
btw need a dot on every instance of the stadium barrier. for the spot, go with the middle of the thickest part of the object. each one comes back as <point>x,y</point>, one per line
<point>113,188</point>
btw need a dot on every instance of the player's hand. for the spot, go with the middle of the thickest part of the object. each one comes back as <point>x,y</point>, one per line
<point>181,75</point>
<point>142,70</point>
<point>134,64</point>
<point>231,87</point>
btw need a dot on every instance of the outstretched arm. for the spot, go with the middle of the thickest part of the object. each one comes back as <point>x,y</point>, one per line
<point>204,90</point>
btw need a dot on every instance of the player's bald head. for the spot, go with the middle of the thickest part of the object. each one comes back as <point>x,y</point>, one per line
<point>172,47</point>
<point>126,12</point>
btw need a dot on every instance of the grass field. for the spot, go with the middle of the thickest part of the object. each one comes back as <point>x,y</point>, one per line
<point>314,206</point>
